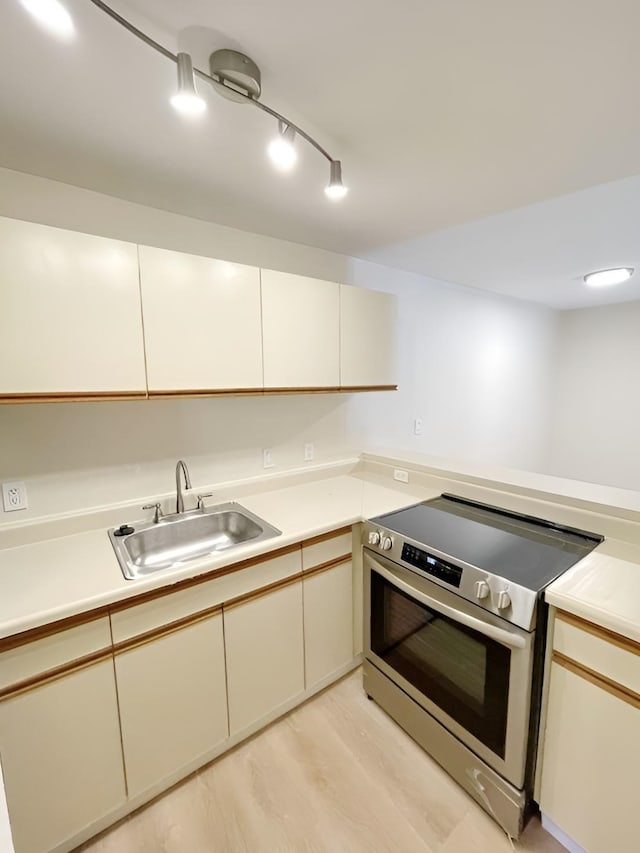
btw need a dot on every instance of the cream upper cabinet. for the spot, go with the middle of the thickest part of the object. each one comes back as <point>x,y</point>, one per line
<point>591,745</point>
<point>202,324</point>
<point>367,337</point>
<point>300,326</point>
<point>69,313</point>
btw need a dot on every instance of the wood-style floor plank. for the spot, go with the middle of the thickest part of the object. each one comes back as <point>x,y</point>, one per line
<point>334,776</point>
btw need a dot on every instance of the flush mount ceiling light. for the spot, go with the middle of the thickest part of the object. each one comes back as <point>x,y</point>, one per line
<point>606,278</point>
<point>232,74</point>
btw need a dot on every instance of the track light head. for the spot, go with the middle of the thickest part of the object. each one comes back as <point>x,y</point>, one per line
<point>335,189</point>
<point>281,149</point>
<point>186,100</point>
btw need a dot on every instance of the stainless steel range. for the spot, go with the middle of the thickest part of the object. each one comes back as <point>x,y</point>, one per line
<point>454,637</point>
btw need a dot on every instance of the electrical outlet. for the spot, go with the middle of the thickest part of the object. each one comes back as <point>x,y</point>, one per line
<point>14,496</point>
<point>401,475</point>
<point>308,452</point>
<point>267,457</point>
<point>417,426</point>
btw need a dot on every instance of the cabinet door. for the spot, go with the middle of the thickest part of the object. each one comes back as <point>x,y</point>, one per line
<point>591,755</point>
<point>201,322</point>
<point>61,757</point>
<point>265,665</point>
<point>173,701</point>
<point>300,319</point>
<point>367,337</point>
<point>328,622</point>
<point>69,313</point>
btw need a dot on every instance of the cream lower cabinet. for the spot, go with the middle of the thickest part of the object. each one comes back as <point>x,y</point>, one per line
<point>60,738</point>
<point>265,661</point>
<point>328,605</point>
<point>170,671</point>
<point>589,783</point>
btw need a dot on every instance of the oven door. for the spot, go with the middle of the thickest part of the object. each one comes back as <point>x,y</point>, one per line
<point>468,668</point>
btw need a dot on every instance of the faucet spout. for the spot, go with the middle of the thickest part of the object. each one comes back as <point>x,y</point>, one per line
<point>181,466</point>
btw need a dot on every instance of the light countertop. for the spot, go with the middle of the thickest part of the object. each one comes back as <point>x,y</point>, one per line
<point>48,580</point>
<point>74,570</point>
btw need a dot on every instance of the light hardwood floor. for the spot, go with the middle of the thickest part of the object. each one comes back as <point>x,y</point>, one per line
<point>334,776</point>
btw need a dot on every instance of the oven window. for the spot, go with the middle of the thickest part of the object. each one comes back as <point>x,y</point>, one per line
<point>463,672</point>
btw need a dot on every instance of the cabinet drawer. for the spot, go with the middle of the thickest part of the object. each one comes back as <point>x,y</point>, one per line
<point>133,620</point>
<point>326,548</point>
<point>602,651</point>
<point>53,650</point>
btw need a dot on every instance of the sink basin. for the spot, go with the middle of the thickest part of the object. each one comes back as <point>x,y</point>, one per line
<point>177,539</point>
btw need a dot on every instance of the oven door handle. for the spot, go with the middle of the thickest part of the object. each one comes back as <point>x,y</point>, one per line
<point>505,637</point>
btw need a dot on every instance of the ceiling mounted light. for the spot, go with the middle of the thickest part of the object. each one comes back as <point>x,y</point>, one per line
<point>335,189</point>
<point>606,278</point>
<point>232,74</point>
<point>52,14</point>
<point>186,100</point>
<point>281,149</point>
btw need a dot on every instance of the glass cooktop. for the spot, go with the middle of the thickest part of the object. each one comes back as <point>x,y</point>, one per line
<point>527,551</point>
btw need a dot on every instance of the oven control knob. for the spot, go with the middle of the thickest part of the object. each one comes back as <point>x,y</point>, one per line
<point>481,589</point>
<point>386,542</point>
<point>503,600</point>
<point>374,538</point>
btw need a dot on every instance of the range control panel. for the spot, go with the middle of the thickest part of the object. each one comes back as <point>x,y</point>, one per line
<point>438,568</point>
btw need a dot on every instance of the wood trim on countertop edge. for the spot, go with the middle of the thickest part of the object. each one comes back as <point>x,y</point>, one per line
<point>43,631</point>
<point>324,537</point>
<point>57,672</point>
<point>607,684</point>
<point>73,396</point>
<point>262,591</point>
<point>167,628</point>
<point>605,634</point>
<point>325,567</point>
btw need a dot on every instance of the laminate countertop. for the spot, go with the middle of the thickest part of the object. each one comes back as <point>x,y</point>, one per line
<point>59,568</point>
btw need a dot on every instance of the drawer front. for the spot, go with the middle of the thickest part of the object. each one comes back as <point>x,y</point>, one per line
<point>597,649</point>
<point>133,621</point>
<point>326,548</point>
<point>32,659</point>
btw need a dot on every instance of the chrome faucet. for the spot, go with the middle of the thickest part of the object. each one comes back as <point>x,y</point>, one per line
<point>187,484</point>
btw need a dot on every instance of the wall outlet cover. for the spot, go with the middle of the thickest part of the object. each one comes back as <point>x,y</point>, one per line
<point>14,496</point>
<point>308,452</point>
<point>267,457</point>
<point>401,475</point>
<point>417,426</point>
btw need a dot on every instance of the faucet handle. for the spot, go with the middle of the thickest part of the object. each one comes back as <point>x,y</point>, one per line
<point>201,500</point>
<point>158,511</point>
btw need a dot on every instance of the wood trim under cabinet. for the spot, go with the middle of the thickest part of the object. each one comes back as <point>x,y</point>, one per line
<point>49,675</point>
<point>613,687</point>
<point>605,634</point>
<point>203,392</point>
<point>168,628</point>
<point>325,567</point>
<point>352,389</point>
<point>73,396</point>
<point>262,591</point>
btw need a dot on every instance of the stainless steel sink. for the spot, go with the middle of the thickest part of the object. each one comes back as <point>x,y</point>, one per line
<point>151,547</point>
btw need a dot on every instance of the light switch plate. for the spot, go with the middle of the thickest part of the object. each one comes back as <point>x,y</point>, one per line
<point>267,457</point>
<point>14,496</point>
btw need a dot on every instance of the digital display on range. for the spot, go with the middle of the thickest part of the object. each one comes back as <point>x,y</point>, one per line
<point>431,565</point>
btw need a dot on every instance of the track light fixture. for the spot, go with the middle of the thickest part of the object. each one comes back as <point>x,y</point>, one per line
<point>232,74</point>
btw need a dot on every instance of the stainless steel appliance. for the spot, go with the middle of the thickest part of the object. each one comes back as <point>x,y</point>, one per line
<point>454,637</point>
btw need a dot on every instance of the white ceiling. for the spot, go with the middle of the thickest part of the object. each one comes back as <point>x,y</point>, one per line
<point>442,112</point>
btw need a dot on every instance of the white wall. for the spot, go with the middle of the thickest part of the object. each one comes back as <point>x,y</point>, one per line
<point>474,366</point>
<point>596,398</point>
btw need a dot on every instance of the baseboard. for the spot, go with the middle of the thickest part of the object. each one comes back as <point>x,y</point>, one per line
<point>560,835</point>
